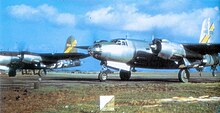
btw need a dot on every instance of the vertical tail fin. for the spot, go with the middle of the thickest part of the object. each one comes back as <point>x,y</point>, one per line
<point>70,44</point>
<point>206,31</point>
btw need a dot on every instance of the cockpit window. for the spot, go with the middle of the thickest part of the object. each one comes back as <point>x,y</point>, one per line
<point>120,42</point>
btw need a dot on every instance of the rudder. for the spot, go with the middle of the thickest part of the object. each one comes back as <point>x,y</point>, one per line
<point>70,44</point>
<point>206,31</point>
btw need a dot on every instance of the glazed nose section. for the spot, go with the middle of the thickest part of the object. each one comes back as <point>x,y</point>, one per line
<point>95,50</point>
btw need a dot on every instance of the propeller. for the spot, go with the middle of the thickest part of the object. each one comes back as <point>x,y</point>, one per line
<point>20,47</point>
<point>22,51</point>
<point>156,45</point>
<point>22,55</point>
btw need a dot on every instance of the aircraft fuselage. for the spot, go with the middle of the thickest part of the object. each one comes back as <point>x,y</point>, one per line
<point>135,53</point>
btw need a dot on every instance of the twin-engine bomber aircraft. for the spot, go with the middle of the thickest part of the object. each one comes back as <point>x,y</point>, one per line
<point>126,54</point>
<point>40,61</point>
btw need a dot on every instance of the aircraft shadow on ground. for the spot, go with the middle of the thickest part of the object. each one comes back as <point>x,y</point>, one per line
<point>168,80</point>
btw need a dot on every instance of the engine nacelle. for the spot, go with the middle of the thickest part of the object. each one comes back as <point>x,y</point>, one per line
<point>6,60</point>
<point>210,60</point>
<point>31,58</point>
<point>173,51</point>
<point>167,50</point>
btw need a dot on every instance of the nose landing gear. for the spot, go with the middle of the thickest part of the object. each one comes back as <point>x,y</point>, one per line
<point>184,75</point>
<point>103,75</point>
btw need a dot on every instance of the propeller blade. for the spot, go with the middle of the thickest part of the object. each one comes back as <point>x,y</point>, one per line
<point>152,38</point>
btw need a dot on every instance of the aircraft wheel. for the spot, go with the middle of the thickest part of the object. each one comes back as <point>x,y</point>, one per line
<point>214,74</point>
<point>12,73</point>
<point>125,75</point>
<point>184,75</point>
<point>42,72</point>
<point>22,71</point>
<point>102,76</point>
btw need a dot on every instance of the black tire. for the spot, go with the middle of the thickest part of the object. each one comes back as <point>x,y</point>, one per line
<point>22,71</point>
<point>102,76</point>
<point>125,75</point>
<point>12,73</point>
<point>184,75</point>
<point>42,72</point>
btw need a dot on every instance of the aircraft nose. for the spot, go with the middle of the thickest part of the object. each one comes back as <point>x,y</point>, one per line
<point>95,50</point>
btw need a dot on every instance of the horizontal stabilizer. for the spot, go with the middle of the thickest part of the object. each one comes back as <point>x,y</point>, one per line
<point>82,47</point>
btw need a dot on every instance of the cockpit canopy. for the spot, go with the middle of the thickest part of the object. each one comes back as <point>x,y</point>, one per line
<point>165,41</point>
<point>120,42</point>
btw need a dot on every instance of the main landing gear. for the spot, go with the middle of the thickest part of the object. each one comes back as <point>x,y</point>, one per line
<point>184,75</point>
<point>42,72</point>
<point>12,73</point>
<point>214,74</point>
<point>125,75</point>
<point>103,75</point>
<point>214,71</point>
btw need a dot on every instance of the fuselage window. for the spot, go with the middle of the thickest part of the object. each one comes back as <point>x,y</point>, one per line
<point>118,42</point>
<point>121,42</point>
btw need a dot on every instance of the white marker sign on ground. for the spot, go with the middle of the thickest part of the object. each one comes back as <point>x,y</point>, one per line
<point>107,103</point>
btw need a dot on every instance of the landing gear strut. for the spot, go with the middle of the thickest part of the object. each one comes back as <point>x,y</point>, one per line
<point>213,71</point>
<point>125,75</point>
<point>103,75</point>
<point>184,75</point>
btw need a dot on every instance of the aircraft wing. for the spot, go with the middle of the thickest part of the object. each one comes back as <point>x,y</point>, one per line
<point>54,57</point>
<point>203,48</point>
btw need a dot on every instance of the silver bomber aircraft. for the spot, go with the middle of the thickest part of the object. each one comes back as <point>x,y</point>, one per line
<point>126,54</point>
<point>24,61</point>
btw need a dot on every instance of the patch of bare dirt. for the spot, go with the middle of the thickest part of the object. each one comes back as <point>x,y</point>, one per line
<point>26,101</point>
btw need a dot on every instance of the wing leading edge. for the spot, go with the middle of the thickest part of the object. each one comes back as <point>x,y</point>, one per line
<point>51,58</point>
<point>203,48</point>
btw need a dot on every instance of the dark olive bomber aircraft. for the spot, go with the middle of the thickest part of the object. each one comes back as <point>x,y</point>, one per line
<point>40,61</point>
<point>126,54</point>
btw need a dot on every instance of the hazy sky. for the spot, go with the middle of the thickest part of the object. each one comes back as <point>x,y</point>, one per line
<point>44,25</point>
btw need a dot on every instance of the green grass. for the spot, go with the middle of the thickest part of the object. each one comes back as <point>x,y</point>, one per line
<point>203,107</point>
<point>131,98</point>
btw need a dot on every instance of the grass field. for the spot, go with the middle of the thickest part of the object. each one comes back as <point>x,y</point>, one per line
<point>130,97</point>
